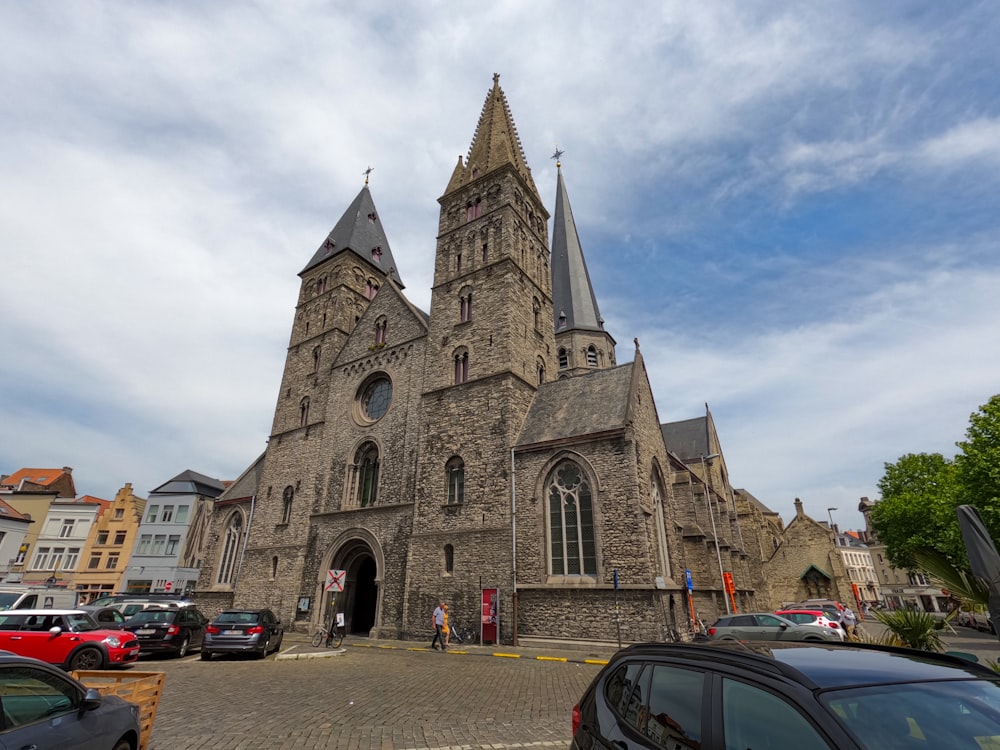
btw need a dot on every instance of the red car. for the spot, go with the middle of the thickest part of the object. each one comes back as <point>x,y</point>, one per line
<point>69,638</point>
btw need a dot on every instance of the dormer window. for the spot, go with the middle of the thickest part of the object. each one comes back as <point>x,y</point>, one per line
<point>377,253</point>
<point>372,217</point>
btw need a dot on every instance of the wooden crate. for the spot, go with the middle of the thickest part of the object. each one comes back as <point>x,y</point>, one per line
<point>141,688</point>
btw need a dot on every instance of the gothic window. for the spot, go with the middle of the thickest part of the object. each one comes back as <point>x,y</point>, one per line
<point>458,263</point>
<point>591,356</point>
<point>230,549</point>
<point>659,514</point>
<point>304,412</point>
<point>474,209</point>
<point>449,559</point>
<point>316,353</point>
<point>486,252</point>
<point>380,326</point>
<point>371,289</point>
<point>321,285</point>
<point>563,358</point>
<point>541,371</point>
<point>573,551</point>
<point>455,468</point>
<point>274,567</point>
<point>536,310</point>
<point>286,504</point>
<point>366,465</point>
<point>465,306</point>
<point>461,366</point>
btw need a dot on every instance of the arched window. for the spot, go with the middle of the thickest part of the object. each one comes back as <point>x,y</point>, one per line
<point>371,288</point>
<point>231,543</point>
<point>541,371</point>
<point>304,412</point>
<point>316,353</point>
<point>571,522</point>
<point>461,366</point>
<point>274,567</point>
<point>563,358</point>
<point>659,514</point>
<point>536,310</point>
<point>591,356</point>
<point>465,306</point>
<point>449,559</point>
<point>455,469</point>
<point>380,327</point>
<point>366,465</point>
<point>286,507</point>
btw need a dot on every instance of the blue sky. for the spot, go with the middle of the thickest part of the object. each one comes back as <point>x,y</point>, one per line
<point>793,206</point>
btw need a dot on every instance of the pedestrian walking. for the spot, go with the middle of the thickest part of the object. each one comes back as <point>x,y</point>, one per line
<point>445,627</point>
<point>848,621</point>
<point>438,621</point>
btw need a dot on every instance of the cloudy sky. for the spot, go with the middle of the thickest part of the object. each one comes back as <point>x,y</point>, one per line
<point>793,206</point>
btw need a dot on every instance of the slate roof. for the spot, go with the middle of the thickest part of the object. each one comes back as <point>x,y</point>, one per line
<point>360,232</point>
<point>687,439</point>
<point>573,300</point>
<point>190,483</point>
<point>558,409</point>
<point>246,485</point>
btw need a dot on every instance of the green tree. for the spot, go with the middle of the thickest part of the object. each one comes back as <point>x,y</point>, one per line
<point>919,495</point>
<point>979,464</point>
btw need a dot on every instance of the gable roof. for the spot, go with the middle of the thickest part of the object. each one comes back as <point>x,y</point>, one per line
<point>190,483</point>
<point>8,511</point>
<point>245,486</point>
<point>360,232</point>
<point>687,439</point>
<point>556,412</point>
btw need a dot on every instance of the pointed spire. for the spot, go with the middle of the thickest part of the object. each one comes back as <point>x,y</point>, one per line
<point>494,144</point>
<point>359,231</point>
<point>572,293</point>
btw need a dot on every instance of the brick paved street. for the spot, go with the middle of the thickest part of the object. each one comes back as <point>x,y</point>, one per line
<point>367,699</point>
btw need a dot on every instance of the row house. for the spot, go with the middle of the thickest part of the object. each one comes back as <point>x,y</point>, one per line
<point>109,545</point>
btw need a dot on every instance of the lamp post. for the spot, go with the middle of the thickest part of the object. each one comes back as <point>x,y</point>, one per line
<point>711,515</point>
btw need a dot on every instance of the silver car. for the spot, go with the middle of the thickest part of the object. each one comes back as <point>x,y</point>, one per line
<point>764,626</point>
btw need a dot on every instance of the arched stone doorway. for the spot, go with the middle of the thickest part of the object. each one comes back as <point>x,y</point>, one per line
<point>359,555</point>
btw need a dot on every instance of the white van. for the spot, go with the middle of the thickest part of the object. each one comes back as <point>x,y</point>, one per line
<point>36,597</point>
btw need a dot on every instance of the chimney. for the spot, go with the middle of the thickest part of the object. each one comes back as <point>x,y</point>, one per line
<point>798,509</point>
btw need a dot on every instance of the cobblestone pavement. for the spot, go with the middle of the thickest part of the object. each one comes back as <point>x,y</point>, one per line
<point>381,697</point>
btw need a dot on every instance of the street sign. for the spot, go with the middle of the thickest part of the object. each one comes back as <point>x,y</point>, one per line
<point>690,581</point>
<point>168,585</point>
<point>335,580</point>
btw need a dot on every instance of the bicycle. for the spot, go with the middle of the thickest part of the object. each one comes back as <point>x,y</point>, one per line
<point>328,636</point>
<point>461,635</point>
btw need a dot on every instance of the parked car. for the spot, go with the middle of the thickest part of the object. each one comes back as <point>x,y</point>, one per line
<point>786,696</point>
<point>809,617</point>
<point>43,707</point>
<point>110,599</point>
<point>173,631</point>
<point>107,616</point>
<point>764,626</point>
<point>255,631</point>
<point>67,638</point>
<point>831,606</point>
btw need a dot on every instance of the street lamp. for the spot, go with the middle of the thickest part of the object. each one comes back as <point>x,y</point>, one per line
<point>829,512</point>
<point>711,515</point>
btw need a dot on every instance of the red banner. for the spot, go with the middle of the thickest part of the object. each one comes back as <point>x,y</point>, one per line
<point>491,615</point>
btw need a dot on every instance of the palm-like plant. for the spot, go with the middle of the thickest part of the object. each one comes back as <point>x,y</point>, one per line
<point>960,583</point>
<point>912,629</point>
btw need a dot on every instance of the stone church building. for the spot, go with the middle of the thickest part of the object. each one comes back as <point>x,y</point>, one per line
<point>493,443</point>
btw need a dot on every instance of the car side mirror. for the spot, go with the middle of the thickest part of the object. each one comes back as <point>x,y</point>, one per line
<point>91,700</point>
<point>783,626</point>
<point>55,630</point>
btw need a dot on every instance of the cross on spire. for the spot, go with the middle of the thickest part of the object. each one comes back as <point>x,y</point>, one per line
<point>557,155</point>
<point>368,172</point>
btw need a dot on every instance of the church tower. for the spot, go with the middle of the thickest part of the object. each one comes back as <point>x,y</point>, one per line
<point>490,344</point>
<point>582,344</point>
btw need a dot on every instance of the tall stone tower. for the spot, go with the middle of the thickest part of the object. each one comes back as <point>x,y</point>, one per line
<point>490,344</point>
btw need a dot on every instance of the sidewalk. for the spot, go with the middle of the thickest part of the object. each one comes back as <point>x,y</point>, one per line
<point>299,646</point>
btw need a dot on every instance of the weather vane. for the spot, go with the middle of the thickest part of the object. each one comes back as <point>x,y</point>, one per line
<point>368,172</point>
<point>557,155</point>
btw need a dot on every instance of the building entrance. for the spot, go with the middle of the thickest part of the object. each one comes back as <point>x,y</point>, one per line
<point>359,600</point>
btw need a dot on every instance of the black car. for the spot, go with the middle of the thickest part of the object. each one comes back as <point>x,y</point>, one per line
<point>787,696</point>
<point>168,630</point>
<point>43,707</point>
<point>108,617</point>
<point>243,631</point>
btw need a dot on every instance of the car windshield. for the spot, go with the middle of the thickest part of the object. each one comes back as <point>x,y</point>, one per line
<point>244,617</point>
<point>152,615</point>
<point>7,600</point>
<point>953,714</point>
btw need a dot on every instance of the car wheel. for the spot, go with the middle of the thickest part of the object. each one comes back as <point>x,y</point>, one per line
<point>183,649</point>
<point>264,651</point>
<point>206,655</point>
<point>122,744</point>
<point>86,659</point>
